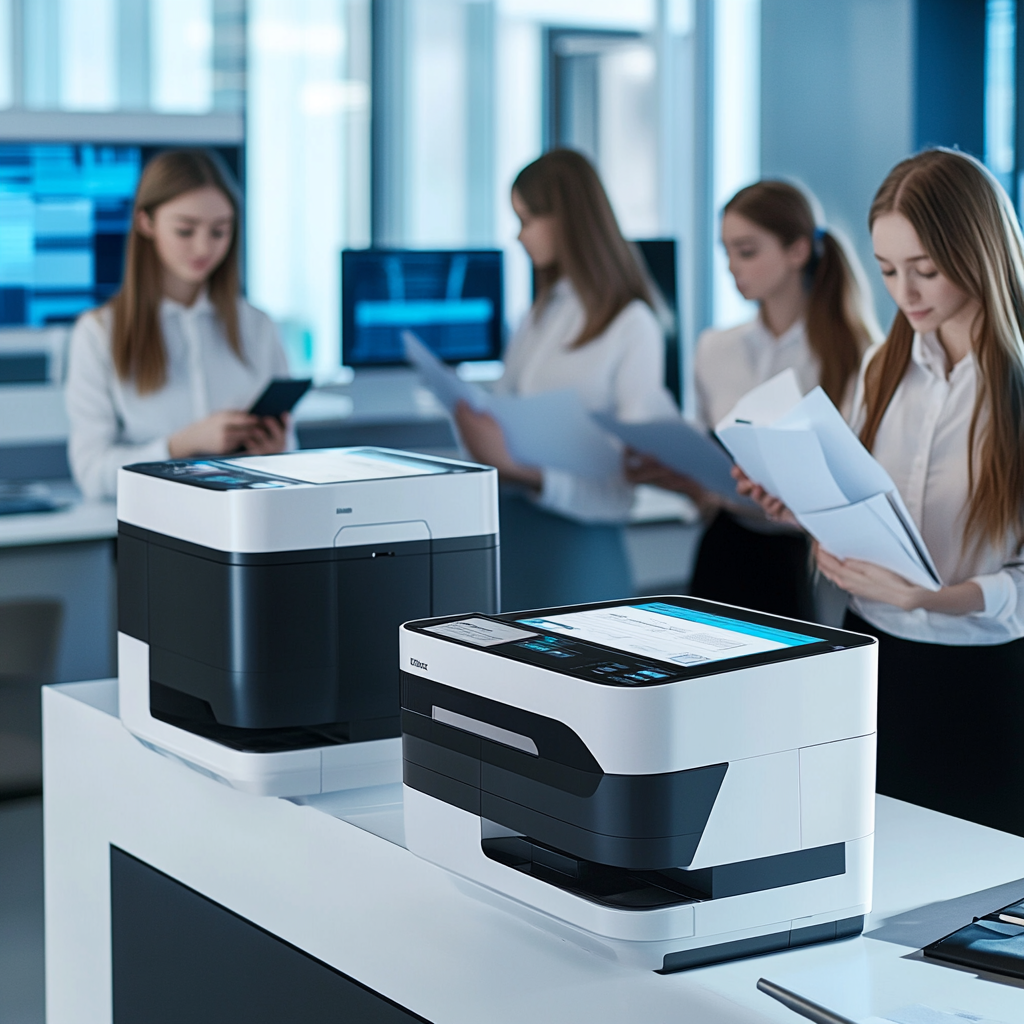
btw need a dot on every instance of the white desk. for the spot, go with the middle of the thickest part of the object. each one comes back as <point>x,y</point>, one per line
<point>331,878</point>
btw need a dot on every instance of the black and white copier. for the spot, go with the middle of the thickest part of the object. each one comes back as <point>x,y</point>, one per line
<point>259,601</point>
<point>668,781</point>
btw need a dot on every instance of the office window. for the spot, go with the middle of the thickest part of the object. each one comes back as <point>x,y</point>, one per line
<point>170,56</point>
<point>181,51</point>
<point>1000,91</point>
<point>736,132</point>
<point>308,175</point>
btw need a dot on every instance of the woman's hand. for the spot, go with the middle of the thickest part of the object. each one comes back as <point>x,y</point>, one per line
<point>643,469</point>
<point>773,508</point>
<point>870,581</point>
<point>218,434</point>
<point>482,435</point>
<point>269,436</point>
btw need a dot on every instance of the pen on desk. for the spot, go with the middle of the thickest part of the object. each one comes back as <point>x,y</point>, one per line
<point>798,1004</point>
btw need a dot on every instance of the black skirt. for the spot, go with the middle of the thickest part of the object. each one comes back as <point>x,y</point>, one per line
<point>950,723</point>
<point>769,572</point>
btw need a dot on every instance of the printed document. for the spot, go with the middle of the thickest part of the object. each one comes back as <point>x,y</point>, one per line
<point>552,429</point>
<point>802,451</point>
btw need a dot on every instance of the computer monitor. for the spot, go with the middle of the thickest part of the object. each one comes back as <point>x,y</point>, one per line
<point>65,211</point>
<point>450,298</point>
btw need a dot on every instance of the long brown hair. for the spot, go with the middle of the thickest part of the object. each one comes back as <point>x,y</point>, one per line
<point>840,324</point>
<point>968,229</point>
<point>138,345</point>
<point>602,266</point>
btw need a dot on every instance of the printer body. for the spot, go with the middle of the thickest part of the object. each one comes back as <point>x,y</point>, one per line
<point>259,600</point>
<point>667,781</point>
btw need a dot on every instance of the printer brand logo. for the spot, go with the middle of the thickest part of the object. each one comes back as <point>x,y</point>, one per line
<point>418,664</point>
<point>342,511</point>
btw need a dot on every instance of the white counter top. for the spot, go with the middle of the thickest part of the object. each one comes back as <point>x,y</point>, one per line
<point>329,876</point>
<point>82,520</point>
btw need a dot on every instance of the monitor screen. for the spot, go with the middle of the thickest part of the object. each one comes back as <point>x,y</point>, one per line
<point>451,299</point>
<point>667,632</point>
<point>65,210</point>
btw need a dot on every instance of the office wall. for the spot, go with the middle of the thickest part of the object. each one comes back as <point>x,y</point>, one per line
<point>837,104</point>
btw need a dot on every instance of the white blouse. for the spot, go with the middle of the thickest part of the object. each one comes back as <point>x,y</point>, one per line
<point>621,372</point>
<point>727,364</point>
<point>112,425</point>
<point>922,442</point>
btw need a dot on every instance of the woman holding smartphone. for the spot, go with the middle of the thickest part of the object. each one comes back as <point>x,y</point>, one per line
<point>591,329</point>
<point>941,406</point>
<point>813,319</point>
<point>168,366</point>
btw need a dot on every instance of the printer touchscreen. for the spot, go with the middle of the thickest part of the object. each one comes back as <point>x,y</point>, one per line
<point>671,633</point>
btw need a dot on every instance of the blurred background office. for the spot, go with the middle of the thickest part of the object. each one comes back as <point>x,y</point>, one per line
<point>402,123</point>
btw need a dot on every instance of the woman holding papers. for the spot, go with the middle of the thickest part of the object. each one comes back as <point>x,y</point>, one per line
<point>166,368</point>
<point>812,319</point>
<point>941,407</point>
<point>592,330</point>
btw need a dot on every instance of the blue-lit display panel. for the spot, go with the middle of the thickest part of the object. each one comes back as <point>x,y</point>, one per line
<point>65,210</point>
<point>451,299</point>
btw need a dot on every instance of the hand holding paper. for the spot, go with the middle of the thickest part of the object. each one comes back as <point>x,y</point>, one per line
<point>550,430</point>
<point>803,452</point>
<point>680,446</point>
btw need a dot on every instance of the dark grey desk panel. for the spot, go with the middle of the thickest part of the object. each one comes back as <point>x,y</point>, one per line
<point>44,461</point>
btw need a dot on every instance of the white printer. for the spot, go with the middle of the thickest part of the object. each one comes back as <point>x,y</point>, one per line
<point>259,601</point>
<point>669,781</point>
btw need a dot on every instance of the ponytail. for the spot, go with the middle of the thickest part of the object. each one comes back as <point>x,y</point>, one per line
<point>836,332</point>
<point>840,322</point>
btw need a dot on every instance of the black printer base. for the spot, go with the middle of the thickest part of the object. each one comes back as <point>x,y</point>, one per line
<point>627,889</point>
<point>758,945</point>
<point>196,716</point>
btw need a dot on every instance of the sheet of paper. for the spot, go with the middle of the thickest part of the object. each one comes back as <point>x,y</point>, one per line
<point>554,430</point>
<point>742,441</point>
<point>796,463</point>
<point>443,381</point>
<point>908,524</point>
<point>680,446</point>
<point>765,403</point>
<point>853,467</point>
<point>918,1014</point>
<point>864,530</point>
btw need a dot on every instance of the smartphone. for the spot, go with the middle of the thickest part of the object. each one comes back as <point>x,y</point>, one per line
<point>280,396</point>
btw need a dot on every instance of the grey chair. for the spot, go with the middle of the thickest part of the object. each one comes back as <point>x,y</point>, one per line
<point>29,641</point>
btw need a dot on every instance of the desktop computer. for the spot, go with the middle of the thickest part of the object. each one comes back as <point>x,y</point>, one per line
<point>452,299</point>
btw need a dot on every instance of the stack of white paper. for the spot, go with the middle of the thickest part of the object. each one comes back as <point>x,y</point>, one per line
<point>551,430</point>
<point>802,451</point>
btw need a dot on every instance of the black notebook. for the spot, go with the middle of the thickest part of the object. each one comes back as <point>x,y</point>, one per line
<point>993,943</point>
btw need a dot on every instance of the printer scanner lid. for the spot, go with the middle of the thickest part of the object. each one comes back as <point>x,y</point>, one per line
<point>289,469</point>
<point>644,642</point>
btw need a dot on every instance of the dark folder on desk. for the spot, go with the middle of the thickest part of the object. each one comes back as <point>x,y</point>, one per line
<point>986,944</point>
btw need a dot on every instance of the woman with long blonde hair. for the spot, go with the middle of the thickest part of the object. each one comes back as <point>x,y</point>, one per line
<point>168,366</point>
<point>591,329</point>
<point>941,406</point>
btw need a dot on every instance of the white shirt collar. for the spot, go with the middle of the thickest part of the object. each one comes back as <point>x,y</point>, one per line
<point>200,306</point>
<point>928,353</point>
<point>792,336</point>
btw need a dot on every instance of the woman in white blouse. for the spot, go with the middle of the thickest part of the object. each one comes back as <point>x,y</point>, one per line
<point>813,318</point>
<point>941,406</point>
<point>166,368</point>
<point>591,329</point>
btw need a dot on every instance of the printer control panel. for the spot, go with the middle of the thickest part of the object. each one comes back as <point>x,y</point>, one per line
<point>582,659</point>
<point>645,642</point>
<point>212,474</point>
